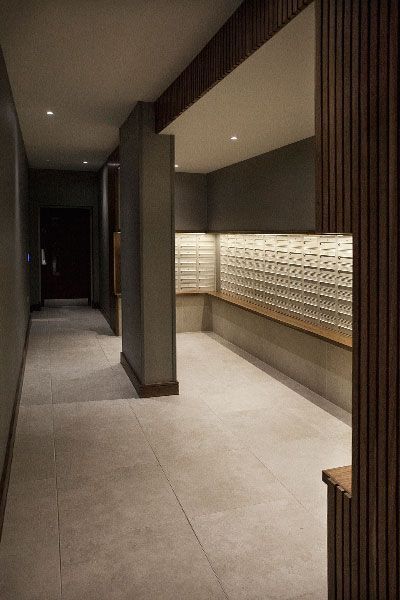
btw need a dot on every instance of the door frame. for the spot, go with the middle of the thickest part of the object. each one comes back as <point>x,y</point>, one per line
<point>64,207</point>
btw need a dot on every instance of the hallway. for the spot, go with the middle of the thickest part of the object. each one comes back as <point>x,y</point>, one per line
<point>213,494</point>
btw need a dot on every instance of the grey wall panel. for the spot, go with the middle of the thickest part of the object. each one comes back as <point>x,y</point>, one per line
<point>148,251</point>
<point>64,189</point>
<point>131,282</point>
<point>158,251</point>
<point>14,272</point>
<point>104,246</point>
<point>272,192</point>
<point>190,202</point>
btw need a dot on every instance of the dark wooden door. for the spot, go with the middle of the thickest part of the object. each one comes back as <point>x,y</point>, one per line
<point>65,253</point>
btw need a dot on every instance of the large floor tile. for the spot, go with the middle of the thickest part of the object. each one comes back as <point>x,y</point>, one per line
<point>29,556</point>
<point>248,396</point>
<point>33,453</point>
<point>36,388</point>
<point>295,448</point>
<point>91,385</point>
<point>220,481</point>
<point>111,346</point>
<point>94,445</point>
<point>164,562</point>
<point>169,408</point>
<point>117,502</point>
<point>273,550</point>
<point>189,436</point>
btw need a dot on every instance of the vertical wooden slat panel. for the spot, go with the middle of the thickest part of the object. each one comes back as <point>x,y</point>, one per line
<point>332,115</point>
<point>363,144</point>
<point>383,300</point>
<point>325,132</point>
<point>356,136</point>
<point>279,13</point>
<point>364,301</point>
<point>339,96</point>
<point>338,533</point>
<point>285,13</point>
<point>393,449</point>
<point>318,117</point>
<point>270,19</point>
<point>347,121</point>
<point>373,242</point>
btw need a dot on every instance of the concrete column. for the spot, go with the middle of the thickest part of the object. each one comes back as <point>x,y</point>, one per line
<point>148,255</point>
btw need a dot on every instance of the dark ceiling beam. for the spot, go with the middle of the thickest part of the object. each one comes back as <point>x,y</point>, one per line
<point>248,28</point>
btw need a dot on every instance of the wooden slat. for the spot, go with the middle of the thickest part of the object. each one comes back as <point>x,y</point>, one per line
<point>251,25</point>
<point>339,99</point>
<point>363,262</point>
<point>331,542</point>
<point>325,130</point>
<point>383,301</point>
<point>318,115</point>
<point>347,121</point>
<point>373,317</point>
<point>355,211</point>
<point>346,546</point>
<point>393,242</point>
<point>331,86</point>
<point>339,543</point>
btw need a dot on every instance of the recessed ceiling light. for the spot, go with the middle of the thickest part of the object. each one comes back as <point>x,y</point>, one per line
<point>50,113</point>
<point>176,166</point>
<point>234,137</point>
<point>85,162</point>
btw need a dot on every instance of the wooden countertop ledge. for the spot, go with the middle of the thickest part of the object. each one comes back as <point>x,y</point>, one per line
<point>334,337</point>
<point>340,476</point>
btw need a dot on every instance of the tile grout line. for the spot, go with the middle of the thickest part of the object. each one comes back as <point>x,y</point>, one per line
<point>246,447</point>
<point>180,504</point>
<point>56,481</point>
<point>102,349</point>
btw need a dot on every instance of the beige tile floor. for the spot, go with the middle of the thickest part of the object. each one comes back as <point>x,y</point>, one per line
<point>211,495</point>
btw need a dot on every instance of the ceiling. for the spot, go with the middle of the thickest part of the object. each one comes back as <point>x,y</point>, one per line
<point>89,61</point>
<point>267,102</point>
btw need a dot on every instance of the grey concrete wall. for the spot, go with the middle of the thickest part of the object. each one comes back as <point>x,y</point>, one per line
<point>14,271</point>
<point>131,280</point>
<point>318,365</point>
<point>104,247</point>
<point>190,202</point>
<point>62,189</point>
<point>193,313</point>
<point>272,192</point>
<point>147,248</point>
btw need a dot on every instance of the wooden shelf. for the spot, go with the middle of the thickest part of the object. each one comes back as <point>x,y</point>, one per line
<point>334,337</point>
<point>340,476</point>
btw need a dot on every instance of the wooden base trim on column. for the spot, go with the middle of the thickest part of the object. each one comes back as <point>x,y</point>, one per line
<point>5,475</point>
<point>149,390</point>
